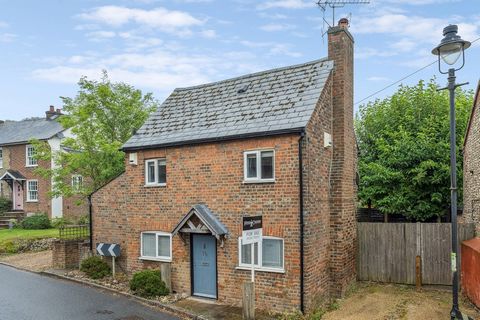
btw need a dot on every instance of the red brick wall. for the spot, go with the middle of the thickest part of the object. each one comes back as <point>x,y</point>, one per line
<point>471,170</point>
<point>343,174</point>
<point>17,162</point>
<point>317,161</point>
<point>210,174</point>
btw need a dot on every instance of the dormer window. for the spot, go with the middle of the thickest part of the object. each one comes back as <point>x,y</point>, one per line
<point>259,166</point>
<point>30,154</point>
<point>155,172</point>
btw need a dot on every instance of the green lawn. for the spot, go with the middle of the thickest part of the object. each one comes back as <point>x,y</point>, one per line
<point>8,235</point>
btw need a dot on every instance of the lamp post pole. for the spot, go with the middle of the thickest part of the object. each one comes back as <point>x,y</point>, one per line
<point>450,49</point>
<point>453,194</point>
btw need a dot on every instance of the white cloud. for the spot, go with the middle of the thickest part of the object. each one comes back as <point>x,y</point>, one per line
<point>275,16</point>
<point>366,53</point>
<point>286,4</point>
<point>209,34</point>
<point>3,24</point>
<point>275,48</point>
<point>100,35</point>
<point>172,21</point>
<point>162,69</point>
<point>272,27</point>
<point>7,37</point>
<point>419,2</point>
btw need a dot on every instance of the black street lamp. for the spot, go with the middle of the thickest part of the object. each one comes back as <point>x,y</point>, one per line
<point>450,49</point>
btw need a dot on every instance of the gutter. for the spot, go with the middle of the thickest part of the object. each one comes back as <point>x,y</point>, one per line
<point>215,139</point>
<point>302,227</point>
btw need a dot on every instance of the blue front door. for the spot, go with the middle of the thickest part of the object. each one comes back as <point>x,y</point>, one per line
<point>204,269</point>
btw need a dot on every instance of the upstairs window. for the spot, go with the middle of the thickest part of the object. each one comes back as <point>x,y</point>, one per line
<point>1,158</point>
<point>30,154</point>
<point>259,166</point>
<point>32,190</point>
<point>155,172</point>
<point>77,182</point>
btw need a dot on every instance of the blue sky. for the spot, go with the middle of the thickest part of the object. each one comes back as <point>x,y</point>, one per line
<point>46,46</point>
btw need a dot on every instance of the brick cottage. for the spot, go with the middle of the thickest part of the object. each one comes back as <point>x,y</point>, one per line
<point>471,166</point>
<point>19,182</point>
<point>278,143</point>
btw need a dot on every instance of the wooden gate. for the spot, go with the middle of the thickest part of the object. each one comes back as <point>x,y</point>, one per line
<point>387,251</point>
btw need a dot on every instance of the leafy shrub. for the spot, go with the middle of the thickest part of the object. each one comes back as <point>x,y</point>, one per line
<point>95,268</point>
<point>5,204</point>
<point>84,219</point>
<point>148,283</point>
<point>37,221</point>
<point>60,222</point>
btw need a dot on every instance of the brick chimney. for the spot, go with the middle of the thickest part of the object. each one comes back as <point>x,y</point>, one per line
<point>51,113</point>
<point>343,192</point>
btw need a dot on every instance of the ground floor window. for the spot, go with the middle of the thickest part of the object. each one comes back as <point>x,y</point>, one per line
<point>269,256</point>
<point>32,190</point>
<point>156,246</point>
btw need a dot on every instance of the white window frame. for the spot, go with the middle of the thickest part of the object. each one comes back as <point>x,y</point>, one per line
<point>157,257</point>
<point>1,157</point>
<point>30,161</point>
<point>29,199</point>
<point>77,182</point>
<point>259,267</point>
<point>155,183</point>
<point>258,178</point>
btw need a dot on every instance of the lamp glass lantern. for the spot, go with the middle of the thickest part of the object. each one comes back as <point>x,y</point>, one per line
<point>451,47</point>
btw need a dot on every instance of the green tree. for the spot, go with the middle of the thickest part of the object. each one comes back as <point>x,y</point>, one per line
<point>404,144</point>
<point>101,118</point>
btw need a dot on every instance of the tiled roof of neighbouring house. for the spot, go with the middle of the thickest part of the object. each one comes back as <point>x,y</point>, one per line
<point>263,103</point>
<point>16,132</point>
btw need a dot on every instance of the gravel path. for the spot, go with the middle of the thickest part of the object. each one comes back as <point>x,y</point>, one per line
<point>35,261</point>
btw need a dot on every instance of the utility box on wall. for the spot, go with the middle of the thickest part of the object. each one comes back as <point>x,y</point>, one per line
<point>471,270</point>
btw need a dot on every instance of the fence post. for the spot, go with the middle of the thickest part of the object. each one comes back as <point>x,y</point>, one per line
<point>418,272</point>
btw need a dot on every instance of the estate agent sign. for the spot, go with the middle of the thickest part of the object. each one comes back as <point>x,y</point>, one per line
<point>252,230</point>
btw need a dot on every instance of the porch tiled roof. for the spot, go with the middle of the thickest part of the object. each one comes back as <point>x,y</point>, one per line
<point>262,103</point>
<point>12,174</point>
<point>16,132</point>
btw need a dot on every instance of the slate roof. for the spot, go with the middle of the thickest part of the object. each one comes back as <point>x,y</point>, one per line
<point>207,217</point>
<point>264,103</point>
<point>16,132</point>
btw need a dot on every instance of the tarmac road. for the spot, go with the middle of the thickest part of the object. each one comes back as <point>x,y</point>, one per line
<point>29,296</point>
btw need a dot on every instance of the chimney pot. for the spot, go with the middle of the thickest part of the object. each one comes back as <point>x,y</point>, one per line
<point>59,111</point>
<point>343,23</point>
<point>52,109</point>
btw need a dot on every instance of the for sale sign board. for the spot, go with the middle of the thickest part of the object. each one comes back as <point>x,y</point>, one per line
<point>252,230</point>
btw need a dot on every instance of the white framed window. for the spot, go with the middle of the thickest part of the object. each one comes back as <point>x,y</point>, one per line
<point>30,153</point>
<point>77,182</point>
<point>155,172</point>
<point>268,257</point>
<point>156,245</point>
<point>259,166</point>
<point>32,190</point>
<point>1,158</point>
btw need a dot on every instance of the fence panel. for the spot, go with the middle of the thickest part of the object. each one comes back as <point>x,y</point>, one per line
<point>387,251</point>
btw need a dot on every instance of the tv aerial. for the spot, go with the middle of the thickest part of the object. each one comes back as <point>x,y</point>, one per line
<point>334,4</point>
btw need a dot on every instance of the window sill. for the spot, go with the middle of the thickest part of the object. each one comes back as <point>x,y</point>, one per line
<point>31,166</point>
<point>30,201</point>
<point>258,181</point>
<point>156,259</point>
<point>155,185</point>
<point>261,269</point>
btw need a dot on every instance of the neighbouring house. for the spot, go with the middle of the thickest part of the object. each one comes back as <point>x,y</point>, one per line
<point>278,143</point>
<point>18,179</point>
<point>471,166</point>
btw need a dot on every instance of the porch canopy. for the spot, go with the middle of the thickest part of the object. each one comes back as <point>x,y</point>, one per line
<point>201,220</point>
<point>12,175</point>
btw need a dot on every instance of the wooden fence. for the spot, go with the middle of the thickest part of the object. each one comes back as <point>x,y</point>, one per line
<point>387,251</point>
